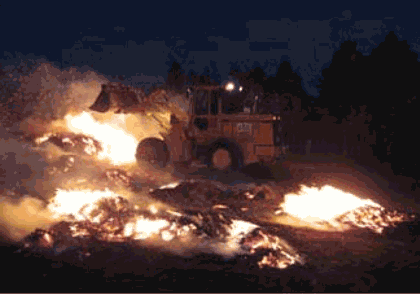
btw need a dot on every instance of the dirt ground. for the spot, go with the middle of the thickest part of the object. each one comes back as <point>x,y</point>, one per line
<point>374,181</point>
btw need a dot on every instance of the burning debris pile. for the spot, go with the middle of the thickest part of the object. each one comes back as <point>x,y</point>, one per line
<point>73,143</point>
<point>119,178</point>
<point>104,217</point>
<point>202,194</point>
<point>376,219</point>
<point>328,205</point>
<point>71,149</point>
<point>209,218</point>
<point>277,253</point>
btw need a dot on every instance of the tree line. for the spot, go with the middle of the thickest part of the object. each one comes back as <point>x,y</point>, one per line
<point>254,82</point>
<point>378,92</point>
<point>384,87</point>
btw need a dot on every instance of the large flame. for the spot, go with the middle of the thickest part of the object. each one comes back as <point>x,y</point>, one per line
<point>118,146</point>
<point>325,204</point>
<point>78,204</point>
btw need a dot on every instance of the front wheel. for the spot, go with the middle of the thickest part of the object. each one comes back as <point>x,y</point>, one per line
<point>152,151</point>
<point>221,159</point>
<point>225,154</point>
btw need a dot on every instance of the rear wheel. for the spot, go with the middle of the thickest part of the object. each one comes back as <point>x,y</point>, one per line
<point>152,151</point>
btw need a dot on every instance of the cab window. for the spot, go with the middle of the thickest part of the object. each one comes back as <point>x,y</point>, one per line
<point>232,102</point>
<point>213,102</point>
<point>201,103</point>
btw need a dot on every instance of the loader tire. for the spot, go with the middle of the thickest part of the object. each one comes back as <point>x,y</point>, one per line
<point>153,151</point>
<point>225,154</point>
<point>221,159</point>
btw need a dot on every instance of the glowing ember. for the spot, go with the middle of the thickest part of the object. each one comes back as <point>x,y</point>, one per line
<point>119,146</point>
<point>280,254</point>
<point>239,229</point>
<point>153,209</point>
<point>170,186</point>
<point>144,228</point>
<point>326,204</point>
<point>374,218</point>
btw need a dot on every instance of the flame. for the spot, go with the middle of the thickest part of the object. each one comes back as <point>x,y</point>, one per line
<point>144,228</point>
<point>118,146</point>
<point>238,230</point>
<point>172,185</point>
<point>79,204</point>
<point>325,204</point>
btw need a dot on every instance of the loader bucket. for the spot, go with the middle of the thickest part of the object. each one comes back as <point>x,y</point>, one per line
<point>102,103</point>
<point>117,99</point>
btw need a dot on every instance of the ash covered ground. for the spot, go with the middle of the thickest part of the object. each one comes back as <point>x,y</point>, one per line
<point>74,220</point>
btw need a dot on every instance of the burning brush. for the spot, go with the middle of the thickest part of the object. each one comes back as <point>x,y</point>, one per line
<point>71,147</point>
<point>74,143</point>
<point>106,217</point>
<point>120,178</point>
<point>338,209</point>
<point>78,147</point>
<point>277,253</point>
<point>191,213</point>
<point>376,219</point>
<point>196,194</point>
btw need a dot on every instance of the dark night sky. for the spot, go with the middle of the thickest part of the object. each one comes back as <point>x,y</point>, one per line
<point>141,41</point>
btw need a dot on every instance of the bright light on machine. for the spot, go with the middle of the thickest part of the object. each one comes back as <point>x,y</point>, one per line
<point>230,86</point>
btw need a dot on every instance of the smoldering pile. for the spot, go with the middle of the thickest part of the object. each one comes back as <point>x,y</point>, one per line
<point>115,220</point>
<point>205,194</point>
<point>72,147</point>
<point>376,219</point>
<point>74,143</point>
<point>77,152</point>
<point>192,210</point>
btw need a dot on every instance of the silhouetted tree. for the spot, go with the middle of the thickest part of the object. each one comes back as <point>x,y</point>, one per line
<point>287,80</point>
<point>257,76</point>
<point>395,72</point>
<point>270,85</point>
<point>284,82</point>
<point>343,82</point>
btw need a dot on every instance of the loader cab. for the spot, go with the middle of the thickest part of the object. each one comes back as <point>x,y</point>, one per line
<point>214,100</point>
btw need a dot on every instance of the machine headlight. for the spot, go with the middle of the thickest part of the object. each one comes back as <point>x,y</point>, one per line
<point>230,86</point>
